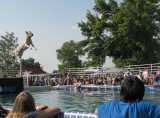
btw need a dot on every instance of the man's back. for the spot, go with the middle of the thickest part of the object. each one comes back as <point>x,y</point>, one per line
<point>120,109</point>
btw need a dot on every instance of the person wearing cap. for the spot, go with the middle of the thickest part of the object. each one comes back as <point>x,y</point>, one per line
<point>131,104</point>
<point>157,77</point>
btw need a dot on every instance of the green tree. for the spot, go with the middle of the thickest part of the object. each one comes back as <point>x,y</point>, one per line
<point>8,45</point>
<point>30,63</point>
<point>129,32</point>
<point>69,55</point>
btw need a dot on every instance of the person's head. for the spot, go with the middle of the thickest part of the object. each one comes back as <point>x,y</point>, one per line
<point>81,81</point>
<point>119,76</point>
<point>87,82</point>
<point>24,103</point>
<point>140,73</point>
<point>132,90</point>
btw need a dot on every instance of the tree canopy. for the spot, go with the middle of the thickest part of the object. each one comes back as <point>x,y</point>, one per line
<point>8,45</point>
<point>128,32</point>
<point>30,63</point>
<point>69,55</point>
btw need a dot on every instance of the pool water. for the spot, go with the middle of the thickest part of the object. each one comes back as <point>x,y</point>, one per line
<point>75,101</point>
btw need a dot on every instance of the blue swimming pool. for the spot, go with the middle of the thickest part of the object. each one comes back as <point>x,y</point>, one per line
<point>76,101</point>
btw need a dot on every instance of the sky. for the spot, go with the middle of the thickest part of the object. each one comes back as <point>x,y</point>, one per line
<point>53,22</point>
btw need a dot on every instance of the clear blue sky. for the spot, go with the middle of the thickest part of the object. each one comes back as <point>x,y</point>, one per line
<point>52,22</point>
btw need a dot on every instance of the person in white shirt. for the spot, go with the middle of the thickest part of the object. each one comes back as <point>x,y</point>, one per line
<point>128,73</point>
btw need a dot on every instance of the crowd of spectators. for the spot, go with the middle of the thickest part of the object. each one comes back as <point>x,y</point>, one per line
<point>106,79</point>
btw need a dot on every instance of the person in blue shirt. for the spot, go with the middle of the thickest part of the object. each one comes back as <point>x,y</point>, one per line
<point>157,78</point>
<point>131,105</point>
<point>37,81</point>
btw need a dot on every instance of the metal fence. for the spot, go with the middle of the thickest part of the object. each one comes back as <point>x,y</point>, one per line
<point>84,71</point>
<point>135,68</point>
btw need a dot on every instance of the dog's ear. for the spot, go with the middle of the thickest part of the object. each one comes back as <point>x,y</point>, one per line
<point>27,32</point>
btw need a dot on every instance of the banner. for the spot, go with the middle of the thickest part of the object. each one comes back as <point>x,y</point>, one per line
<point>11,85</point>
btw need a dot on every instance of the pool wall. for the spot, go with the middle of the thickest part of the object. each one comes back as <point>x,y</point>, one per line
<point>73,115</point>
<point>101,88</point>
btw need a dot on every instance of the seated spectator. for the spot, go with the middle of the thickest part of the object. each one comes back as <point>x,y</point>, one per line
<point>146,75</point>
<point>3,112</point>
<point>115,80</point>
<point>88,83</point>
<point>24,107</point>
<point>56,82</point>
<point>76,82</point>
<point>100,81</point>
<point>60,81</point>
<point>119,79</point>
<point>64,81</point>
<point>51,83</point>
<point>30,82</point>
<point>79,84</point>
<point>131,105</point>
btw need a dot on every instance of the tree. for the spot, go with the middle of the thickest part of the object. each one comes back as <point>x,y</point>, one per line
<point>8,45</point>
<point>69,55</point>
<point>30,63</point>
<point>129,32</point>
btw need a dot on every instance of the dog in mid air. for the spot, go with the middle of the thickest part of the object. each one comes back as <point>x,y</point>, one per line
<point>26,44</point>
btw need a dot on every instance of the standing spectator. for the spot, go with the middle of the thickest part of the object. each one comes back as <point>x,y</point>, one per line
<point>60,81</point>
<point>37,81</point>
<point>56,82</point>
<point>146,75</point>
<point>128,73</point>
<point>140,76</point>
<point>30,82</point>
<point>70,75</point>
<point>42,82</point>
<point>109,78</point>
<point>69,81</point>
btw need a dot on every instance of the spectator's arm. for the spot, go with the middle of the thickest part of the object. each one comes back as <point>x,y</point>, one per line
<point>155,78</point>
<point>49,112</point>
<point>96,112</point>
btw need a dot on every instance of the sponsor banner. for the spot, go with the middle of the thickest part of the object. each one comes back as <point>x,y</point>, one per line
<point>11,85</point>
